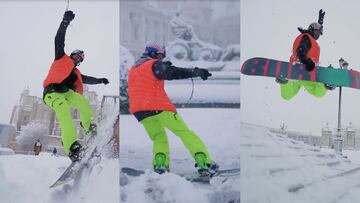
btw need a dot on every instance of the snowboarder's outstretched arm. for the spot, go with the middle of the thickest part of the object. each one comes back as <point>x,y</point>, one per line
<point>166,71</point>
<point>92,80</point>
<point>60,34</point>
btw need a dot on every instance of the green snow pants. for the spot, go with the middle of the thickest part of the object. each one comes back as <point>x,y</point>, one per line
<point>62,103</point>
<point>291,88</point>
<point>155,127</point>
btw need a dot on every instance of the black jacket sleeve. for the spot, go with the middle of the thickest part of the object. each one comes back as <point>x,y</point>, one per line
<point>60,40</point>
<point>303,49</point>
<point>166,71</point>
<point>90,80</point>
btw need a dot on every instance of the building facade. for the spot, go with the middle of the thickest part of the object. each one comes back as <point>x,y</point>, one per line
<point>7,134</point>
<point>33,109</point>
<point>350,137</point>
<point>327,137</point>
<point>145,21</point>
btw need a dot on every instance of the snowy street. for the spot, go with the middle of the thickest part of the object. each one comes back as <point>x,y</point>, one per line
<point>278,169</point>
<point>26,178</point>
<point>218,128</point>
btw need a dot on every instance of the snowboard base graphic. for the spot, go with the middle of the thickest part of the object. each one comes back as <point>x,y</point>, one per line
<point>273,68</point>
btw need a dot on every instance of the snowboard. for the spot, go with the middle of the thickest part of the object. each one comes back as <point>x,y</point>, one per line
<point>273,68</point>
<point>192,177</point>
<point>75,169</point>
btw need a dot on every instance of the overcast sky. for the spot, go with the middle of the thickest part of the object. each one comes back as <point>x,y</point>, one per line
<point>27,45</point>
<point>268,29</point>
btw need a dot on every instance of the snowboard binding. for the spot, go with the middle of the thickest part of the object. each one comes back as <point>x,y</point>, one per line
<point>281,79</point>
<point>76,152</point>
<point>159,166</point>
<point>330,87</point>
<point>205,169</point>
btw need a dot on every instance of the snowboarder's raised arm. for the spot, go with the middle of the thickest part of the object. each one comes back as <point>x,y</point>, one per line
<point>166,71</point>
<point>92,80</point>
<point>60,34</point>
<point>321,16</point>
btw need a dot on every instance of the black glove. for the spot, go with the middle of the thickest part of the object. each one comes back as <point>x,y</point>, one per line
<point>321,17</point>
<point>104,80</point>
<point>68,16</point>
<point>310,65</point>
<point>202,73</point>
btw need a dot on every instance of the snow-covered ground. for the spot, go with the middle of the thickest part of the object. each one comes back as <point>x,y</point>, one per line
<point>277,169</point>
<point>218,128</point>
<point>26,178</point>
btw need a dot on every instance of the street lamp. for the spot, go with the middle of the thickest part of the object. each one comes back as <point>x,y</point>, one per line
<point>338,141</point>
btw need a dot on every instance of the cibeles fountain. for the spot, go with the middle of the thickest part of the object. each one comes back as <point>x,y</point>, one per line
<point>187,50</point>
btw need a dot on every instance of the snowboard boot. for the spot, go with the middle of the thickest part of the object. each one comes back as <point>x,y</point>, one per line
<point>76,152</point>
<point>159,166</point>
<point>281,79</point>
<point>330,87</point>
<point>205,169</point>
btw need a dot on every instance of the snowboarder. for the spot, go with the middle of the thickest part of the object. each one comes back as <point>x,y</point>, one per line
<point>37,147</point>
<point>153,109</point>
<point>63,88</point>
<point>306,51</point>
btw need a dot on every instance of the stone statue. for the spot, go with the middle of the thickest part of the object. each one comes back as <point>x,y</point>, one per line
<point>188,47</point>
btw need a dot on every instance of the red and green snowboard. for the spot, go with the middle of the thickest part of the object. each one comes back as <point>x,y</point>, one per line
<point>274,68</point>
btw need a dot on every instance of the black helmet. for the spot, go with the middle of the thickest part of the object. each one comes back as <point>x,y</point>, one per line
<point>77,55</point>
<point>315,26</point>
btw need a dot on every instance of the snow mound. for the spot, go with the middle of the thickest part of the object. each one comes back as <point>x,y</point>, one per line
<point>26,178</point>
<point>161,188</point>
<point>218,128</point>
<point>6,151</point>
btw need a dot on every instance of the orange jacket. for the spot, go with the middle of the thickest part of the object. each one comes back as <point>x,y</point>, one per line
<point>60,69</point>
<point>79,82</point>
<point>313,53</point>
<point>146,92</point>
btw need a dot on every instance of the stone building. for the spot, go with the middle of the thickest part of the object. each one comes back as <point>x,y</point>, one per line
<point>33,109</point>
<point>350,137</point>
<point>326,137</point>
<point>145,21</point>
<point>141,23</point>
<point>7,134</point>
